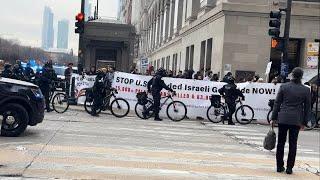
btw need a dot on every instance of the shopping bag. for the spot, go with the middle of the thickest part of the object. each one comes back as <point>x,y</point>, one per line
<point>269,142</point>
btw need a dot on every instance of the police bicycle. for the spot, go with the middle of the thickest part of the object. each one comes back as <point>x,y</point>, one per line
<point>176,110</point>
<point>218,111</point>
<point>313,121</point>
<point>58,99</point>
<point>119,107</point>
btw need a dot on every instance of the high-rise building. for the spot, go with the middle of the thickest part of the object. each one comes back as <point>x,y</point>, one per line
<point>47,29</point>
<point>63,34</point>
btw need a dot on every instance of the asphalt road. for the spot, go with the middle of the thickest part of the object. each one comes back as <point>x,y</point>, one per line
<point>77,146</point>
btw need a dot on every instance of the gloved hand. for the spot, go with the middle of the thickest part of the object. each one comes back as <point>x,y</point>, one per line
<point>173,93</point>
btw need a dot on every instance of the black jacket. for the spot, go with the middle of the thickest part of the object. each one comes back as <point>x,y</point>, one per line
<point>156,84</point>
<point>7,73</point>
<point>230,92</point>
<point>292,105</point>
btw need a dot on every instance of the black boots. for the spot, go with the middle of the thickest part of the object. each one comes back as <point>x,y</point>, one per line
<point>289,170</point>
<point>280,169</point>
<point>157,118</point>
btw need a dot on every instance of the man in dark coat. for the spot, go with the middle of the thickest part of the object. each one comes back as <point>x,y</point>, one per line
<point>230,94</point>
<point>155,85</point>
<point>291,110</point>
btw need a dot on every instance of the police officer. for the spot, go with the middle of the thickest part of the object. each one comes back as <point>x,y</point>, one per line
<point>230,94</point>
<point>98,91</point>
<point>17,73</point>
<point>226,77</point>
<point>29,73</point>
<point>7,73</point>
<point>68,74</point>
<point>155,85</point>
<point>46,83</point>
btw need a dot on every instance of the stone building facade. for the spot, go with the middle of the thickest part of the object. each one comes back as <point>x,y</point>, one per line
<point>220,35</point>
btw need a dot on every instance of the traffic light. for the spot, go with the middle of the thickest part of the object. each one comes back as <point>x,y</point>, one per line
<point>277,43</point>
<point>79,23</point>
<point>275,23</point>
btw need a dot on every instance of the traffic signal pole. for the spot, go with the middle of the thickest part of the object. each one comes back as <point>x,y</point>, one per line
<point>80,51</point>
<point>286,34</point>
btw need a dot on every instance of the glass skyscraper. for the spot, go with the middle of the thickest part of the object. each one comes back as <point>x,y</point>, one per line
<point>47,29</point>
<point>63,34</point>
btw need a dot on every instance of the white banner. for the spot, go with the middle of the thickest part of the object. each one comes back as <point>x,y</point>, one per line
<point>81,83</point>
<point>194,94</point>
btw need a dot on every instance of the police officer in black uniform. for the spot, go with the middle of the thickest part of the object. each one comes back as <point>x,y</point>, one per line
<point>29,73</point>
<point>7,73</point>
<point>98,91</point>
<point>155,85</point>
<point>17,73</point>
<point>230,94</point>
<point>46,83</point>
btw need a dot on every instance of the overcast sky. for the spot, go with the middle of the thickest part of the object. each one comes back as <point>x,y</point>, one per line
<point>22,19</point>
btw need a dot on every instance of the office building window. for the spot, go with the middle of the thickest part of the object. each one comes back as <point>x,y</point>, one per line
<point>187,58</point>
<point>209,54</point>
<point>168,63</point>
<point>202,54</point>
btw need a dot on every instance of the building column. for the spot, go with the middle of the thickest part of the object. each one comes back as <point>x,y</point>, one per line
<point>156,40</point>
<point>153,34</point>
<point>149,39</point>
<point>166,22</point>
<point>177,16</point>
<point>171,19</point>
<point>161,26</point>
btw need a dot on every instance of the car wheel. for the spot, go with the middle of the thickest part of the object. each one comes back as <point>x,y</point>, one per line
<point>15,120</point>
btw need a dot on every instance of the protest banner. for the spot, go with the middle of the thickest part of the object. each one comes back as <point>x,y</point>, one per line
<point>81,83</point>
<point>195,94</point>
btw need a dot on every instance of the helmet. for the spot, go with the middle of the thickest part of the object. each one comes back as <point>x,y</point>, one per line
<point>7,66</point>
<point>230,80</point>
<point>161,72</point>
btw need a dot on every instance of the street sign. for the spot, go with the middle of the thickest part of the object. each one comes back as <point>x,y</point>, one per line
<point>312,54</point>
<point>144,63</point>
<point>313,49</point>
<point>312,61</point>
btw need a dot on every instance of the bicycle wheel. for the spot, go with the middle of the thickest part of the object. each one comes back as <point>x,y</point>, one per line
<point>88,107</point>
<point>312,122</point>
<point>60,103</point>
<point>269,116</point>
<point>139,109</point>
<point>120,107</point>
<point>244,114</point>
<point>215,114</point>
<point>176,111</point>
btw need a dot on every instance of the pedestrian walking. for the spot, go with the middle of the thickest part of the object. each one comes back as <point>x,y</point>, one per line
<point>291,110</point>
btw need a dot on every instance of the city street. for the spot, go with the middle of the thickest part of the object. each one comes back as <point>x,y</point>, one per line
<point>76,145</point>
